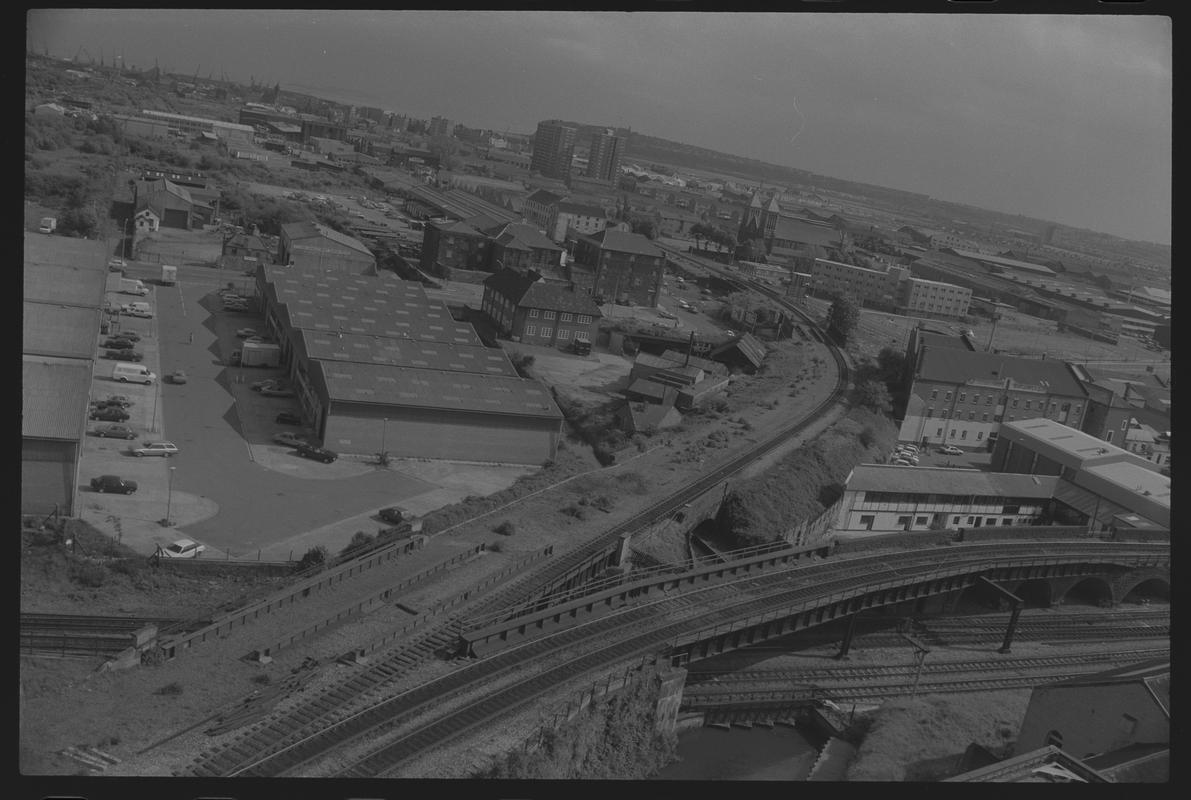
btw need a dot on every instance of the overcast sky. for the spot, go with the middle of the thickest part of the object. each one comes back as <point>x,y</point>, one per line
<point>1064,118</point>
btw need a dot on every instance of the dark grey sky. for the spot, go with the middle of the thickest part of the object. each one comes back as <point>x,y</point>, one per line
<point>1066,118</point>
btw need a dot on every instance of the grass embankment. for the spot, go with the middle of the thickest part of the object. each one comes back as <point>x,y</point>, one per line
<point>614,738</point>
<point>805,483</point>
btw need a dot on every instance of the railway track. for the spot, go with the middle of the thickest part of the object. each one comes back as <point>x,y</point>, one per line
<point>442,710</point>
<point>81,635</point>
<point>877,682</point>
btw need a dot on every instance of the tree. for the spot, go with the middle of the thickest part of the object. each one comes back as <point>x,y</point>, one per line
<point>873,395</point>
<point>79,222</point>
<point>842,317</point>
<point>644,226</point>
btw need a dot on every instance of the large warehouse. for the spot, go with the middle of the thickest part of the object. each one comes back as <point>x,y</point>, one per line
<point>60,321</point>
<point>379,366</point>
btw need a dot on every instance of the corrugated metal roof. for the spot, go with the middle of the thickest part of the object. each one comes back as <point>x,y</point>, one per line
<point>405,353</point>
<point>305,230</point>
<point>805,232</point>
<point>940,480</point>
<point>57,330</point>
<point>426,388</point>
<point>395,325</point>
<point>65,285</point>
<point>54,398</point>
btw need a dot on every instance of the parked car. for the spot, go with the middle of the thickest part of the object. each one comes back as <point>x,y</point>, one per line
<point>165,449</point>
<point>244,333</point>
<point>115,432</point>
<point>392,515</point>
<point>177,376</point>
<point>664,314</point>
<point>109,414</point>
<point>684,304</point>
<point>119,344</point>
<point>132,310</point>
<point>581,347</point>
<point>131,336</point>
<point>116,264</point>
<point>270,383</point>
<point>112,483</point>
<point>123,355</point>
<point>317,453</point>
<point>277,391</point>
<point>288,439</point>
<point>183,548</point>
<point>258,339</point>
<point>113,400</point>
<point>288,418</point>
<point>951,450</point>
<point>908,447</point>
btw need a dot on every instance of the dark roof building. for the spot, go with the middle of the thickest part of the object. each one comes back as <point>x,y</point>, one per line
<point>528,309</point>
<point>627,267</point>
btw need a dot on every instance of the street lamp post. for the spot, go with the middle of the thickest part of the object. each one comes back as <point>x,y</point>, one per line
<point>384,430</point>
<point>153,427</point>
<point>169,498</point>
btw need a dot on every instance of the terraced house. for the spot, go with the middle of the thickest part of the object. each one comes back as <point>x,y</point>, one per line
<point>528,309</point>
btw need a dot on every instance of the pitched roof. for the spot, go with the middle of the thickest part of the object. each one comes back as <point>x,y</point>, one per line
<point>625,242</point>
<point>747,345</point>
<point>308,229</point>
<point>804,231</point>
<point>582,210</point>
<point>943,480</point>
<point>526,291</point>
<point>544,197</point>
<point>527,235</point>
<point>949,365</point>
<point>644,387</point>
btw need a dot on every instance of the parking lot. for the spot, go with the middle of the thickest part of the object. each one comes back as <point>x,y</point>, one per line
<point>230,486</point>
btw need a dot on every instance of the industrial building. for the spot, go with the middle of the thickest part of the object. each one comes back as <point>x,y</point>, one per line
<point>379,366</point>
<point>962,397</point>
<point>884,498</point>
<point>1107,486</point>
<point>64,281</point>
<point>313,245</point>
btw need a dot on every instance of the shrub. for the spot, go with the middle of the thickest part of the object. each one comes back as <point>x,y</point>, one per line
<point>578,512</point>
<point>497,546</point>
<point>170,689</point>
<point>89,574</point>
<point>868,436</point>
<point>313,558</point>
<point>506,528</point>
<point>262,679</point>
<point>359,540</point>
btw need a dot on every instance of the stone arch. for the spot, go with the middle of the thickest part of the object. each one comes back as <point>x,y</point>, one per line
<point>1143,584</point>
<point>1092,590</point>
<point>1035,593</point>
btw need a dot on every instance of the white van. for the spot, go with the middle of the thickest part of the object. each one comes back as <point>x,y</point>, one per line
<point>133,286</point>
<point>125,371</point>
<point>137,310</point>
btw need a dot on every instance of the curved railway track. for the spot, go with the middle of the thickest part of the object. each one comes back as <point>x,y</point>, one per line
<point>442,710</point>
<point>875,682</point>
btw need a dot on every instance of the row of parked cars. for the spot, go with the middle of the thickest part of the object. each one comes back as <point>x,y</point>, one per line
<point>906,455</point>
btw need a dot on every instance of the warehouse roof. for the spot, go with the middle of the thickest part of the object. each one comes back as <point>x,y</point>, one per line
<point>941,480</point>
<point>57,330</point>
<point>803,231</point>
<point>443,356</point>
<point>63,284</point>
<point>398,324</point>
<point>66,251</point>
<point>435,389</point>
<point>54,396</point>
<point>1007,263</point>
<point>949,365</point>
<point>1072,447</point>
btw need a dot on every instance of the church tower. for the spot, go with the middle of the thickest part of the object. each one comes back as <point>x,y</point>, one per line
<point>750,226</point>
<point>769,218</point>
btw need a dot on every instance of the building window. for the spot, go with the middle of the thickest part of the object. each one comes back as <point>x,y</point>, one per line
<point>979,435</point>
<point>548,315</point>
<point>584,319</point>
<point>920,521</point>
<point>947,396</point>
<point>984,417</point>
<point>930,412</point>
<point>943,413</point>
<point>975,399</point>
<point>934,395</point>
<point>1108,438</point>
<point>963,434</point>
<point>953,433</point>
<point>955,520</point>
<point>533,312</point>
<point>971,520</point>
<point>963,396</point>
<point>546,332</point>
<point>1026,405</point>
<point>1014,403</point>
<point>939,432</point>
<point>971,415</point>
<point>530,330</point>
<point>564,333</point>
<point>566,317</point>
